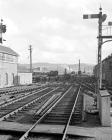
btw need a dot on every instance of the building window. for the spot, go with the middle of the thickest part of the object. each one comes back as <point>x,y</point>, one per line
<point>8,57</point>
<point>3,56</point>
<point>110,65</point>
<point>0,56</point>
<point>0,79</point>
<point>12,78</point>
<point>6,77</point>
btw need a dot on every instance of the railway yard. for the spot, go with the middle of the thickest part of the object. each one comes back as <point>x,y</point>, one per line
<point>54,109</point>
<point>45,95</point>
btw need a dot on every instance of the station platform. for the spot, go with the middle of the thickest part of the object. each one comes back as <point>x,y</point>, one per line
<point>99,133</point>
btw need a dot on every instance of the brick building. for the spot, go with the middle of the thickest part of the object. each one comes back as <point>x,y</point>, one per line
<point>8,66</point>
<point>106,70</point>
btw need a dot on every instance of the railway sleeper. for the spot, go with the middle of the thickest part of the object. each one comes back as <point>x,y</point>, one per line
<point>26,108</point>
<point>11,117</point>
<point>61,109</point>
<point>74,122</point>
<point>57,117</point>
<point>77,111</point>
<point>76,114</point>
<point>76,117</point>
<point>37,117</point>
<point>57,122</point>
<point>63,113</point>
<point>60,114</point>
<point>5,109</point>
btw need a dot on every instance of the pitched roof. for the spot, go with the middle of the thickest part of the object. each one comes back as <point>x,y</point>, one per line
<point>7,50</point>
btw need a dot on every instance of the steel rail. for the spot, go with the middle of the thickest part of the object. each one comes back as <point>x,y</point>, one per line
<point>25,96</point>
<point>67,125</point>
<point>47,103</point>
<point>56,97</point>
<point>25,136</point>
<point>26,105</point>
<point>20,90</point>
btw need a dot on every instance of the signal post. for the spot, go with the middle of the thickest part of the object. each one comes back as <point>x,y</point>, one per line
<point>103,98</point>
<point>2,30</point>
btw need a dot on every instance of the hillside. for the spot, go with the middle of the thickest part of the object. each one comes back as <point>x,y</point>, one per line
<point>46,67</point>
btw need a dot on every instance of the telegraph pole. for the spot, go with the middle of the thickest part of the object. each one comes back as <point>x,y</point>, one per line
<point>79,69</point>
<point>30,49</point>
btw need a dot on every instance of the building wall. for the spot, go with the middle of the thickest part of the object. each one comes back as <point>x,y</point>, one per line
<point>25,78</point>
<point>106,70</point>
<point>8,70</point>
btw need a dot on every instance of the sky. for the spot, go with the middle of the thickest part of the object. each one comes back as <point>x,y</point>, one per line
<point>55,29</point>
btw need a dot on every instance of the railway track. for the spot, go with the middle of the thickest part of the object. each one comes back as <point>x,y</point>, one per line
<point>27,114</point>
<point>18,89</point>
<point>13,98</point>
<point>61,111</point>
<point>15,106</point>
<point>17,93</point>
<point>37,98</point>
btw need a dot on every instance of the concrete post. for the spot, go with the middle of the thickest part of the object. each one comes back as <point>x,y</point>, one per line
<point>88,102</point>
<point>98,101</point>
<point>104,108</point>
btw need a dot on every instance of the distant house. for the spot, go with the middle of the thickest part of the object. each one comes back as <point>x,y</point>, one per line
<point>41,69</point>
<point>8,66</point>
